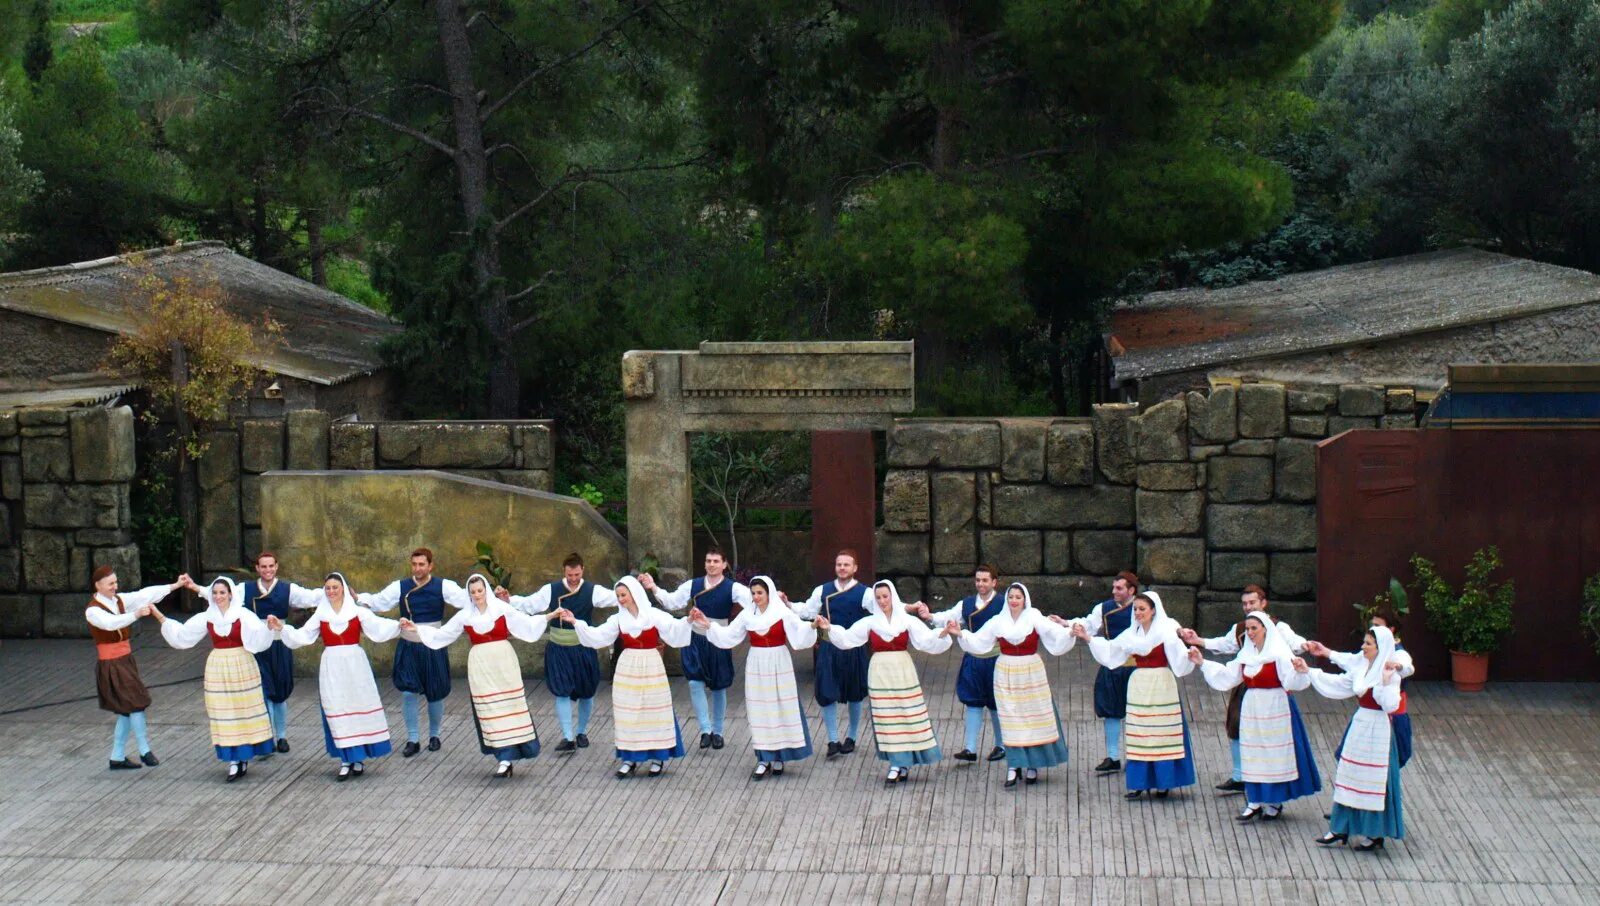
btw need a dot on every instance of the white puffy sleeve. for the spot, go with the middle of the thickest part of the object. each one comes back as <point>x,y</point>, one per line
<point>1221,677</point>
<point>598,636</point>
<point>675,632</point>
<point>253,632</point>
<point>603,597</point>
<point>731,635</point>
<point>185,634</point>
<point>800,633</point>
<point>1387,695</point>
<point>1225,644</point>
<point>111,622</point>
<point>810,607</point>
<point>303,635</point>
<point>524,627</point>
<point>676,599</point>
<point>1178,656</point>
<point>1092,620</point>
<point>1107,652</point>
<point>741,595</point>
<point>376,628</point>
<point>978,641</point>
<point>852,636</point>
<point>1292,681</point>
<point>1295,641</point>
<point>454,594</point>
<point>388,599</point>
<point>1348,661</point>
<point>927,640</point>
<point>1332,685</point>
<point>302,598</point>
<point>442,635</point>
<point>1407,666</point>
<point>1057,639</point>
<point>945,616</point>
<point>134,600</point>
<point>538,602</point>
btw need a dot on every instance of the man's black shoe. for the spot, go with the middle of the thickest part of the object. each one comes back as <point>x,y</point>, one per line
<point>716,740</point>
<point>583,740</point>
<point>434,744</point>
<point>409,749</point>
<point>966,755</point>
<point>833,750</point>
<point>848,746</point>
<point>705,740</point>
<point>1108,766</point>
<point>997,753</point>
<point>566,745</point>
<point>1231,786</point>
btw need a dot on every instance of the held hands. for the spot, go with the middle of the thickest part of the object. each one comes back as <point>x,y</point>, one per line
<point>1195,657</point>
<point>951,628</point>
<point>1299,664</point>
<point>821,623</point>
<point>144,611</point>
<point>919,608</point>
<point>1316,649</point>
<point>560,613</point>
<point>1080,631</point>
<point>501,593</point>
<point>407,626</point>
<point>783,596</point>
<point>648,581</point>
<point>274,624</point>
<point>1189,636</point>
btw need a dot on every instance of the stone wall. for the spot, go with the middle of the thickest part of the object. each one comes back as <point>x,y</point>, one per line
<point>65,477</point>
<point>1201,495</point>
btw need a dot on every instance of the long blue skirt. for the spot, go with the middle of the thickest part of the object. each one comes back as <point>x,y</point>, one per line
<point>277,671</point>
<point>421,670</point>
<point>799,754</point>
<point>1162,775</point>
<point>571,671</point>
<point>975,682</point>
<point>1044,756</point>
<point>1309,783</point>
<point>1401,725</point>
<point>1389,823</point>
<point>907,759</point>
<point>676,751</point>
<point>1111,692</point>
<point>706,663</point>
<point>841,675</point>
<point>244,753</point>
<point>518,752</point>
<point>353,754</point>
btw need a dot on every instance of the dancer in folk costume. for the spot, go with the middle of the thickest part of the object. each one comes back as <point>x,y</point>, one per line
<point>571,670</point>
<point>268,596</point>
<point>354,727</point>
<point>494,676</point>
<point>1367,803</point>
<point>116,675</point>
<point>1278,765</point>
<point>1110,618</point>
<point>1399,718</point>
<point>1028,714</point>
<point>1155,732</point>
<point>641,700</point>
<point>841,676</point>
<point>778,729</point>
<point>708,668</point>
<point>975,679</point>
<point>235,705</point>
<point>419,672</point>
<point>900,723</point>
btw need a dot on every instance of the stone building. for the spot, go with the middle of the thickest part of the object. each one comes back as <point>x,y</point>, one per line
<point>59,322</point>
<point>1397,322</point>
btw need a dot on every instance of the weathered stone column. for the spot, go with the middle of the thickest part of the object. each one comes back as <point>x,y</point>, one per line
<point>660,497</point>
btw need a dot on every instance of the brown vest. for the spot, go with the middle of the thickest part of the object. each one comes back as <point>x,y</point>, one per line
<point>108,636</point>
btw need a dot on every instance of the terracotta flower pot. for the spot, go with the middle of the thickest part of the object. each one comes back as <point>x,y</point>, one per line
<point>1469,672</point>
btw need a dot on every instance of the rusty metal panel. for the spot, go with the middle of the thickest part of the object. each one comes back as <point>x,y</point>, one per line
<point>844,493</point>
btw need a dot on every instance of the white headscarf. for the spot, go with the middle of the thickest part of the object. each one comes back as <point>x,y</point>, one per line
<point>1275,650</point>
<point>1138,641</point>
<point>215,615</point>
<point>1012,629</point>
<point>347,611</point>
<point>897,606</point>
<point>641,600</point>
<point>1373,674</point>
<point>482,621</point>
<point>761,620</point>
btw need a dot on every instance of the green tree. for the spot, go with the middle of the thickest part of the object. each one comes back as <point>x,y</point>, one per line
<point>18,183</point>
<point>37,53</point>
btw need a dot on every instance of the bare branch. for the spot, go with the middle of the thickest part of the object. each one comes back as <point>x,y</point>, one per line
<point>539,73</point>
<point>402,128</point>
<point>530,289</point>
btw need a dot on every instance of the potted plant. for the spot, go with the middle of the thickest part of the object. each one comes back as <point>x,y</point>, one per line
<point>1472,621</point>
<point>1589,615</point>
<point>1392,604</point>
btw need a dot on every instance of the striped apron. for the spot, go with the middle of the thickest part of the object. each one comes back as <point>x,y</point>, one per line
<point>640,697</point>
<point>1154,725</point>
<point>900,719</point>
<point>234,703</point>
<point>1266,734</point>
<point>494,677</point>
<point>771,696</point>
<point>1022,692</point>
<point>1361,781</point>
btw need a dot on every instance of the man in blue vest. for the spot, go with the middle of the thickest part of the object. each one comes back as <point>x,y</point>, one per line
<point>1109,619</point>
<point>707,667</point>
<point>571,670</point>
<point>841,676</point>
<point>418,669</point>
<point>975,681</point>
<point>267,596</point>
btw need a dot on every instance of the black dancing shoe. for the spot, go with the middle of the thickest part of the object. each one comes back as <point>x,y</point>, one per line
<point>716,741</point>
<point>1248,814</point>
<point>1371,845</point>
<point>566,745</point>
<point>656,769</point>
<point>833,751</point>
<point>503,771</point>
<point>1108,766</point>
<point>1011,777</point>
<point>434,744</point>
<point>244,768</point>
<point>1330,838</point>
<point>705,740</point>
<point>1030,776</point>
<point>126,764</point>
<point>1272,813</point>
<point>149,758</point>
<point>583,740</point>
<point>777,769</point>
<point>283,746</point>
<point>358,769</point>
<point>233,772</point>
<point>344,773</point>
<point>1230,787</point>
<point>409,749</point>
<point>996,753</point>
<point>761,771</point>
<point>1162,794</point>
<point>848,746</point>
<point>1133,794</point>
<point>965,755</point>
<point>625,770</point>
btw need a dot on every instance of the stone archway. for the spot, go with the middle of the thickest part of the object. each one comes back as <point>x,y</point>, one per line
<point>829,387</point>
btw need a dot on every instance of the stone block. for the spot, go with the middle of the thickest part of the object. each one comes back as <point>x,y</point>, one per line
<point>1308,425</point>
<point>1261,527</point>
<point>307,432</point>
<point>905,500</point>
<point>250,499</point>
<point>352,445</point>
<point>62,616</point>
<point>125,560</point>
<point>1203,452</point>
<point>1163,432</point>
<point>534,442</point>
<point>1311,400</point>
<point>985,486</point>
<point>1239,479</point>
<point>219,464</point>
<point>445,445</point>
<point>1262,447</point>
<point>1293,575</point>
<point>1400,399</point>
<point>638,375</point>
<point>1296,470</point>
<point>1103,553</point>
<point>252,544</point>
<point>953,519</point>
<point>8,424</point>
<point>1168,476</point>
<point>10,478</point>
<point>1360,400</point>
<point>102,444</point>
<point>44,561</point>
<point>1051,507</point>
<point>1070,452</point>
<point>1169,512</point>
<point>1215,617</point>
<point>1113,438</point>
<point>5,525</point>
<point>1057,552</point>
<point>1012,551</point>
<point>1022,446</point>
<point>532,479</point>
<point>78,568</point>
<point>910,587</point>
<point>1233,571</point>
<point>46,458</point>
<point>1397,420</point>
<point>902,554</point>
<point>1213,417</point>
<point>22,616</point>
<point>10,569</point>
<point>1338,424</point>
<point>1178,601</point>
<point>1300,615</point>
<point>73,505</point>
<point>1262,410</point>
<point>919,443</point>
<point>1172,561</point>
<point>942,592</point>
<point>220,528</point>
<point>261,444</point>
<point>102,537</point>
<point>1069,596</point>
<point>35,418</point>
